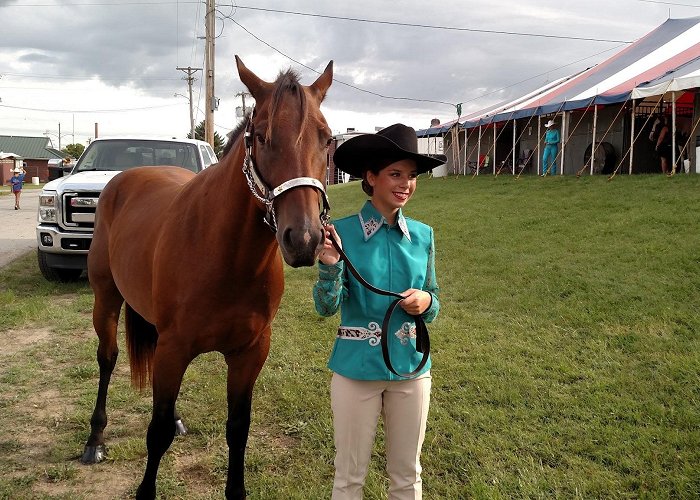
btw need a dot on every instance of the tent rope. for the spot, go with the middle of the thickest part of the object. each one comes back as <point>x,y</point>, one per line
<point>469,153</point>
<point>598,143</point>
<point>532,153</point>
<point>685,146</point>
<point>571,133</point>
<point>629,150</point>
<point>517,141</point>
<point>493,146</point>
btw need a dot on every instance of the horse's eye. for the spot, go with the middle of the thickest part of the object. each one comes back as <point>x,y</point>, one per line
<point>260,138</point>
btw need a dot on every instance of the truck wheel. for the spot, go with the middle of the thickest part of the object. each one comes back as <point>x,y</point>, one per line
<point>54,273</point>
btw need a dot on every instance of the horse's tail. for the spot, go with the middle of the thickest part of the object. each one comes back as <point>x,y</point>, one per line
<point>141,340</point>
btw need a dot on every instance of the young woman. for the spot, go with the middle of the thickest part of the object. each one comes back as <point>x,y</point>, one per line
<point>395,253</point>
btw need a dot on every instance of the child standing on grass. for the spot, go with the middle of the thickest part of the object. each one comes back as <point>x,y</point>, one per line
<point>396,253</point>
<point>16,182</point>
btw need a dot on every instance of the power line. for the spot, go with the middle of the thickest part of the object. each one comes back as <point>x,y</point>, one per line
<point>82,78</point>
<point>409,98</point>
<point>671,3</point>
<point>345,18</point>
<point>102,4</point>
<point>87,110</point>
<point>541,74</point>
<point>335,79</point>
<point>427,26</point>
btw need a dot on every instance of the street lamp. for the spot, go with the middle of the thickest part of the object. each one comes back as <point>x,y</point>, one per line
<point>189,99</point>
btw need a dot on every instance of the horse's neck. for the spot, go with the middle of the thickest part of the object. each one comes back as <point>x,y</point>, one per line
<point>233,206</point>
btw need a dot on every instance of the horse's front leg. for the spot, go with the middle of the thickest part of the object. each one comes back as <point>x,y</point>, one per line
<point>243,370</point>
<point>168,369</point>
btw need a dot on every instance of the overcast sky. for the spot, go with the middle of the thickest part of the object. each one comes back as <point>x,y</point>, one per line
<point>113,62</point>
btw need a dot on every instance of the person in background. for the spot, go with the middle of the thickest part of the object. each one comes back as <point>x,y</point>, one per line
<point>396,253</point>
<point>551,145</point>
<point>663,145</point>
<point>16,181</point>
<point>682,140</point>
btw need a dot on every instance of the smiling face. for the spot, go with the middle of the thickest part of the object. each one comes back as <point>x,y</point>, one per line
<point>392,187</point>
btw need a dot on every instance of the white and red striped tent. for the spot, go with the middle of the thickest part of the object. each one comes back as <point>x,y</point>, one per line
<point>686,76</point>
<point>666,59</point>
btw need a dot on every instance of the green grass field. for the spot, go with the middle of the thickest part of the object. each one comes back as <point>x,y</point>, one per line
<point>566,360</point>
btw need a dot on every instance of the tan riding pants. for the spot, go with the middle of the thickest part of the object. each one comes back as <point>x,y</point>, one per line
<point>356,406</point>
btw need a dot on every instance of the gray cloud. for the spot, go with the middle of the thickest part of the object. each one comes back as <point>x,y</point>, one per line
<point>140,45</point>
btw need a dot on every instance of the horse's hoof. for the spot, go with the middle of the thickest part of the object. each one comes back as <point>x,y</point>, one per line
<point>236,495</point>
<point>93,454</point>
<point>180,429</point>
<point>145,492</point>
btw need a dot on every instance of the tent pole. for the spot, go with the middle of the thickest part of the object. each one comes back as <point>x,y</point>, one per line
<point>634,119</point>
<point>512,152</point>
<point>473,149</point>
<point>466,145</point>
<point>478,152</point>
<point>494,148</point>
<point>539,146</point>
<point>456,151</point>
<point>564,138</point>
<point>595,124</point>
<point>673,132</point>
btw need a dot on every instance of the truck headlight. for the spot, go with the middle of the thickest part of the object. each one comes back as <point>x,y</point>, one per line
<point>47,208</point>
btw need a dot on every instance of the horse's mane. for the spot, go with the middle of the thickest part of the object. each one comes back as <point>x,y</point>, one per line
<point>287,81</point>
<point>233,135</point>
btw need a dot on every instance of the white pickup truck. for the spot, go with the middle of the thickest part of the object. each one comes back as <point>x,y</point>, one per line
<point>67,205</point>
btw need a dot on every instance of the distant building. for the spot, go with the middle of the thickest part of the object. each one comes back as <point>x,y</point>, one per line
<point>433,145</point>
<point>35,151</point>
<point>333,175</point>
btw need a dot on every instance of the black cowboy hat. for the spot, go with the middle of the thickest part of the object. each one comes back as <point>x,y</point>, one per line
<point>395,142</point>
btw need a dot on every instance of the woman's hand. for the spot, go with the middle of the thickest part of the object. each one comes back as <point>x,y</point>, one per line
<point>416,301</point>
<point>329,255</point>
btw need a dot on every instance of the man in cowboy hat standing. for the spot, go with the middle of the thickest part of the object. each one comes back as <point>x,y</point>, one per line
<point>551,145</point>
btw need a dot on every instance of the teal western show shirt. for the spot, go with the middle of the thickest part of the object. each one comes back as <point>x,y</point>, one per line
<point>394,258</point>
<point>551,137</point>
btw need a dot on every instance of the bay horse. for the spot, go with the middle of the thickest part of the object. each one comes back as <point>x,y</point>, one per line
<point>197,267</point>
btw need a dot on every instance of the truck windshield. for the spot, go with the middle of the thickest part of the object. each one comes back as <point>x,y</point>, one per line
<point>123,154</point>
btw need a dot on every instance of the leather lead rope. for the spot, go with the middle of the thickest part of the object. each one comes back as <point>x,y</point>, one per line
<point>422,337</point>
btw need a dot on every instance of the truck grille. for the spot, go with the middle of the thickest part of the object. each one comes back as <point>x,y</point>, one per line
<point>76,243</point>
<point>79,209</point>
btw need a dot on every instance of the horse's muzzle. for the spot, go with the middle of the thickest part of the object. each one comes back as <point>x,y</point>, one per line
<point>300,245</point>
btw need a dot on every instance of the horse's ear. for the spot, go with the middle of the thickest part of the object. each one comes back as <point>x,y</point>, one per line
<point>251,80</point>
<point>324,81</point>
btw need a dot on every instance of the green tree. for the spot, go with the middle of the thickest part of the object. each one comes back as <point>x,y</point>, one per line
<point>218,140</point>
<point>75,150</point>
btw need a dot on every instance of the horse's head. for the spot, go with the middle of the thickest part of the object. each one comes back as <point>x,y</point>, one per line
<point>288,139</point>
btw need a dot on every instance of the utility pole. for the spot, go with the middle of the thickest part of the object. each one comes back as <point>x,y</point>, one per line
<point>211,104</point>
<point>59,136</point>
<point>242,96</point>
<point>190,79</point>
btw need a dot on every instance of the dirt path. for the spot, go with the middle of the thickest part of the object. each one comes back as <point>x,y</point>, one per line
<point>17,227</point>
